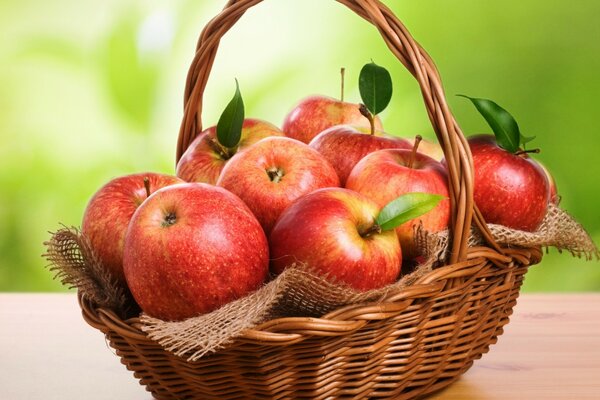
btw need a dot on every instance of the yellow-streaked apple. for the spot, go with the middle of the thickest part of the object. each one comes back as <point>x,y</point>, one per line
<point>334,233</point>
<point>344,146</point>
<point>274,172</point>
<point>386,174</point>
<point>109,211</point>
<point>314,114</point>
<point>205,158</point>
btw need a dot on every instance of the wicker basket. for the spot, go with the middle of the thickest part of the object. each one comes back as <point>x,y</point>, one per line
<point>406,346</point>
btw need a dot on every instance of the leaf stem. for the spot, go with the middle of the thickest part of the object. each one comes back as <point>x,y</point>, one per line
<point>367,114</point>
<point>147,186</point>
<point>413,154</point>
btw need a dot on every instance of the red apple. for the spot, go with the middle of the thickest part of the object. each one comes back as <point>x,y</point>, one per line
<point>192,248</point>
<point>204,160</point>
<point>431,149</point>
<point>386,174</point>
<point>316,113</point>
<point>273,173</point>
<point>329,230</point>
<point>109,211</point>
<point>510,189</point>
<point>344,146</point>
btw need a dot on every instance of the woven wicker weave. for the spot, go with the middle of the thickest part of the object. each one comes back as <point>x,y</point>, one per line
<point>411,344</point>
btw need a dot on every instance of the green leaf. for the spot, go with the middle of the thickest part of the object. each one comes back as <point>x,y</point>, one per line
<point>229,127</point>
<point>506,129</point>
<point>406,207</point>
<point>375,85</point>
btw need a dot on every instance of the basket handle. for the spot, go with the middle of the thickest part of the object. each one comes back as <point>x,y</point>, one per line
<point>412,56</point>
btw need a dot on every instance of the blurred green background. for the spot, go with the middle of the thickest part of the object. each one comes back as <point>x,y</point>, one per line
<point>93,90</point>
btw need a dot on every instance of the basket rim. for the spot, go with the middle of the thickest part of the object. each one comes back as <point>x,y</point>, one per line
<point>344,320</point>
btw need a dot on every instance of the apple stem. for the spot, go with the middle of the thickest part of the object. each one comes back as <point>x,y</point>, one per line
<point>147,186</point>
<point>225,152</point>
<point>343,73</point>
<point>413,154</point>
<point>521,152</point>
<point>367,114</point>
<point>373,229</point>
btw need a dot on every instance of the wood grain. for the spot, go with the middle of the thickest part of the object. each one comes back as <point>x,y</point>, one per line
<point>550,350</point>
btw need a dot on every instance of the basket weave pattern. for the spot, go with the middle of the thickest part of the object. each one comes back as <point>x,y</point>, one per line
<point>410,344</point>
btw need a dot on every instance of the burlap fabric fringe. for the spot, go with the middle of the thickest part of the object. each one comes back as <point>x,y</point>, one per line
<point>296,292</point>
<point>558,229</point>
<point>72,259</point>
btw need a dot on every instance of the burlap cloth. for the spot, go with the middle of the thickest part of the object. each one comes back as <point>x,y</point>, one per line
<point>296,292</point>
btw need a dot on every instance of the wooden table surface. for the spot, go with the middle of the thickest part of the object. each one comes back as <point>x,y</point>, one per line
<point>550,350</point>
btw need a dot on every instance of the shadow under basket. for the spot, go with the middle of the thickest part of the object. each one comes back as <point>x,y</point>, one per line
<point>405,346</point>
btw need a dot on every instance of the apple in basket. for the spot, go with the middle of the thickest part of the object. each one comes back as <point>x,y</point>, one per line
<point>274,172</point>
<point>191,248</point>
<point>510,188</point>
<point>344,146</point>
<point>109,211</point>
<point>206,156</point>
<point>386,174</point>
<point>314,114</point>
<point>345,236</point>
